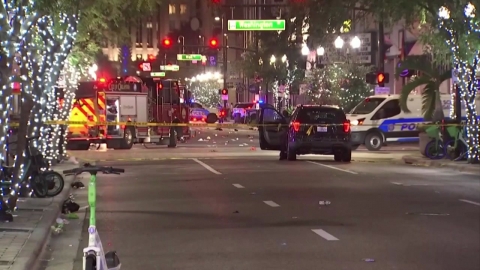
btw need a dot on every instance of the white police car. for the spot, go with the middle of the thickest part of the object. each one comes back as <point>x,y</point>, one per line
<point>378,119</point>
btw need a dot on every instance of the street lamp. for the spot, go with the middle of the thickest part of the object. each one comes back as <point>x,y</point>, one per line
<point>339,43</point>
<point>305,50</point>
<point>273,59</point>
<point>355,42</point>
<point>320,51</point>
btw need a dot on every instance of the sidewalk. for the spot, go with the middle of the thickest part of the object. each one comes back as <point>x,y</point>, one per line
<point>461,166</point>
<point>23,240</point>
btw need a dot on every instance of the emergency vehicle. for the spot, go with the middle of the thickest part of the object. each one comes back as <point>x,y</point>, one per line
<point>379,119</point>
<point>133,100</point>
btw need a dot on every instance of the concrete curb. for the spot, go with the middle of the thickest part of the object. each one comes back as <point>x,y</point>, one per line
<point>30,255</point>
<point>412,160</point>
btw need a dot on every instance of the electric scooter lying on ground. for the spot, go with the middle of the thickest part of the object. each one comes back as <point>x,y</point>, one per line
<point>94,257</point>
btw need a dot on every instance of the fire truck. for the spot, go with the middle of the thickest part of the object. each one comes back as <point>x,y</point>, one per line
<point>128,100</point>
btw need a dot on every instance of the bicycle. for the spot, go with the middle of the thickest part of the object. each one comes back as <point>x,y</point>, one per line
<point>42,182</point>
<point>93,256</point>
<point>435,149</point>
<point>458,133</point>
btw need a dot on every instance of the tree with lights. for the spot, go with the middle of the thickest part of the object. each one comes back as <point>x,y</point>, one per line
<point>43,33</point>
<point>205,87</point>
<point>339,84</point>
<point>457,23</point>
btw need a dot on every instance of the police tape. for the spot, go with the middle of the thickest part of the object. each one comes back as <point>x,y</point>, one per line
<point>410,126</point>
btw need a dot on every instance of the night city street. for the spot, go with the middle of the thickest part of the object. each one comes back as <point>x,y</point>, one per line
<point>255,212</point>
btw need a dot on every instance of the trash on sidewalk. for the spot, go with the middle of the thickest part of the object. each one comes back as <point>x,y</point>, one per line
<point>369,260</point>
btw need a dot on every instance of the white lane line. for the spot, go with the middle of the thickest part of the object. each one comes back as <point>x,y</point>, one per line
<point>206,166</point>
<point>238,186</point>
<point>470,202</point>
<point>325,235</point>
<point>271,203</point>
<point>331,167</point>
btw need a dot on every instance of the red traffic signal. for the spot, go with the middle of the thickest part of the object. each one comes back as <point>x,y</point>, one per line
<point>382,78</point>
<point>213,43</point>
<point>224,92</point>
<point>166,43</point>
<point>216,2</point>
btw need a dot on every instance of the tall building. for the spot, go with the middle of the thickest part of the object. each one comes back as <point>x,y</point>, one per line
<point>148,32</point>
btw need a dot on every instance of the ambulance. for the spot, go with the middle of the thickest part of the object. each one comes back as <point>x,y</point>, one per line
<point>378,120</point>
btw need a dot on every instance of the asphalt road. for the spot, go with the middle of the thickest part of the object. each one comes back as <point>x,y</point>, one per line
<point>237,138</point>
<point>262,213</point>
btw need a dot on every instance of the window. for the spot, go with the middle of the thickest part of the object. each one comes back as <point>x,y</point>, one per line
<point>171,26</point>
<point>172,9</point>
<point>389,109</point>
<point>367,106</point>
<point>183,9</point>
<point>149,34</point>
<point>139,36</point>
<point>271,116</point>
<point>318,115</point>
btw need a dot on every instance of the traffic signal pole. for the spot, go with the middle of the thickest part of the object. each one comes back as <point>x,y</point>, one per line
<point>381,46</point>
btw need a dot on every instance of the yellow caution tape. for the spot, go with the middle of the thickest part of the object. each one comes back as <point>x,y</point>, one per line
<point>150,124</point>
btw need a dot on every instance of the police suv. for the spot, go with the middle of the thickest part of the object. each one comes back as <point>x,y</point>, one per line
<point>378,119</point>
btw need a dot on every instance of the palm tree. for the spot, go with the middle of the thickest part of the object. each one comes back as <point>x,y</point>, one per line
<point>431,78</point>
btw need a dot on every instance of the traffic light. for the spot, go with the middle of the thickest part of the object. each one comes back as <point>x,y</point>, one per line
<point>213,43</point>
<point>151,57</point>
<point>224,92</point>
<point>216,2</point>
<point>382,78</point>
<point>167,43</point>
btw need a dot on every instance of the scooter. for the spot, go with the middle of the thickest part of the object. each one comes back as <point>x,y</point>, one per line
<point>94,257</point>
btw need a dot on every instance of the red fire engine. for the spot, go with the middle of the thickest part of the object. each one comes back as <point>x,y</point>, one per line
<point>132,100</point>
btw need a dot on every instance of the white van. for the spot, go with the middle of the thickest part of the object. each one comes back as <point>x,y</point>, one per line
<point>378,119</point>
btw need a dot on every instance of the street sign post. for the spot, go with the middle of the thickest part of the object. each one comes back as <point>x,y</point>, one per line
<point>157,74</point>
<point>170,68</point>
<point>189,57</point>
<point>256,25</point>
<point>382,90</point>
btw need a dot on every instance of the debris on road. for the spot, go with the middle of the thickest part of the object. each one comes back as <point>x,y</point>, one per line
<point>428,214</point>
<point>369,260</point>
<point>324,202</point>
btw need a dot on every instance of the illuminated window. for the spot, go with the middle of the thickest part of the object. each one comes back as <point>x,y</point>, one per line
<point>183,9</point>
<point>172,9</point>
<point>150,34</point>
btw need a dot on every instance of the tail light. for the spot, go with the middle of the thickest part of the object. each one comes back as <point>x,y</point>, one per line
<point>296,126</point>
<point>346,126</point>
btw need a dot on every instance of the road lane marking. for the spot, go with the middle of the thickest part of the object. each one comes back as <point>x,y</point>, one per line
<point>238,186</point>
<point>271,203</point>
<point>331,167</point>
<point>206,166</point>
<point>325,235</point>
<point>470,202</point>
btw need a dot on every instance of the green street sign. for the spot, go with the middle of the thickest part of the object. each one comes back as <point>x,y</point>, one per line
<point>157,74</point>
<point>256,25</point>
<point>189,57</point>
<point>170,68</point>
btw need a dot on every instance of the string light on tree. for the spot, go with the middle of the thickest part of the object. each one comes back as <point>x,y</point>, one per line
<point>204,88</point>
<point>462,29</point>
